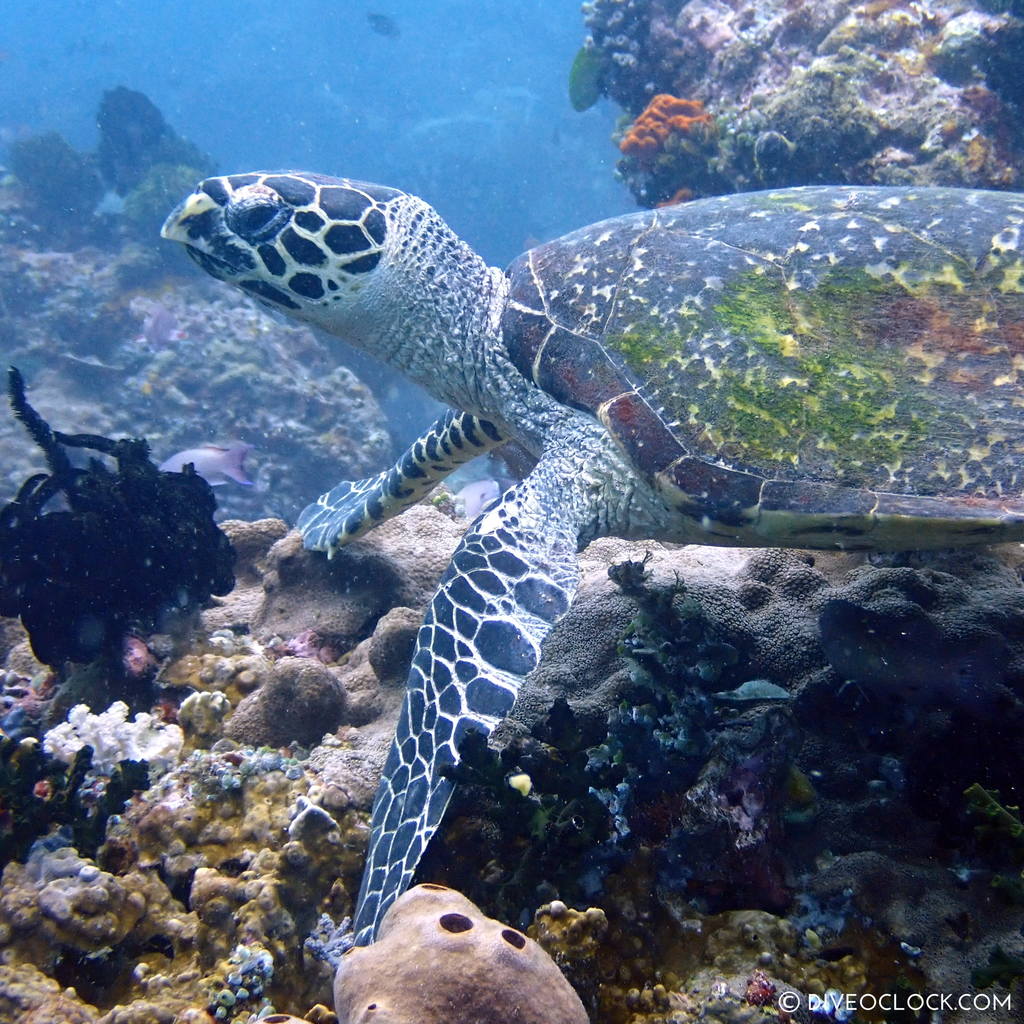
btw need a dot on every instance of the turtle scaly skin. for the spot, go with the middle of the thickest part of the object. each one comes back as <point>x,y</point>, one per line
<point>355,507</point>
<point>817,367</point>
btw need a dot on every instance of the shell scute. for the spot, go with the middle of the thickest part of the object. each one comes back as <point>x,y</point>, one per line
<point>641,432</point>
<point>859,339</point>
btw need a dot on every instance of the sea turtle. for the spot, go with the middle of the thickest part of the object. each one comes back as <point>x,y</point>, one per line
<point>824,367</point>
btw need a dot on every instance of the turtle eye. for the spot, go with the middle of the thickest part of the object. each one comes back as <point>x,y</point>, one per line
<point>257,217</point>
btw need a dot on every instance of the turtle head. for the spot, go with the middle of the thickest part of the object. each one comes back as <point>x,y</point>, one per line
<point>305,244</point>
<point>375,266</point>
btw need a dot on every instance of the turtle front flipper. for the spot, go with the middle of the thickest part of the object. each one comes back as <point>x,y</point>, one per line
<point>355,507</point>
<point>509,581</point>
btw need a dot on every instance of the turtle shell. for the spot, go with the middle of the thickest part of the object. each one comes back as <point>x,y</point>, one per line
<point>834,355</point>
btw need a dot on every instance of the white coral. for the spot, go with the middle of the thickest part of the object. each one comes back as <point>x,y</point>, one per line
<point>113,738</point>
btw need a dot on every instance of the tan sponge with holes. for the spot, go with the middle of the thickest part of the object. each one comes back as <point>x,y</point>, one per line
<point>438,960</point>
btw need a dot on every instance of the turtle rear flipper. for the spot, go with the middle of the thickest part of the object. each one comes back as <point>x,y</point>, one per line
<point>510,580</point>
<point>354,507</point>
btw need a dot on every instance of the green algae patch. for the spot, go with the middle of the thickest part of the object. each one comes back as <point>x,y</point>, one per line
<point>826,382</point>
<point>648,346</point>
<point>817,376</point>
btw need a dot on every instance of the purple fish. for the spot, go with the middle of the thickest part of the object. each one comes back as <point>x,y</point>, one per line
<point>159,328</point>
<point>216,465</point>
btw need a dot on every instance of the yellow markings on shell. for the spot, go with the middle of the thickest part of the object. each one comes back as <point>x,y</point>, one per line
<point>762,414</point>
<point>788,345</point>
<point>981,451</point>
<point>931,360</point>
<point>858,372</point>
<point>983,325</point>
<point>948,275</point>
<point>1007,240</point>
<point>911,280</point>
<point>883,413</point>
<point>1013,276</point>
<point>1016,365</point>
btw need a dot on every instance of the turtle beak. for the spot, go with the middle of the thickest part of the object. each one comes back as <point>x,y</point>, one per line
<point>186,222</point>
<point>198,223</point>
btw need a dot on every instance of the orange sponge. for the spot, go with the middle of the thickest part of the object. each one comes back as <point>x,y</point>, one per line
<point>664,116</point>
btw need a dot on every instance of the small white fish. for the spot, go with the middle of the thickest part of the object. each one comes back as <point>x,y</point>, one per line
<point>475,497</point>
<point>215,464</point>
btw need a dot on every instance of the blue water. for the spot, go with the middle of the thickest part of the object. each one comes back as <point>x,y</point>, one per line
<point>467,106</point>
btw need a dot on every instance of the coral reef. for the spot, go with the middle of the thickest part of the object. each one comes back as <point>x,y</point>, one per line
<point>135,139</point>
<point>74,321</point>
<point>114,739</point>
<point>735,758</point>
<point>61,185</point>
<point>807,92</point>
<point>439,960</point>
<point>749,766</point>
<point>139,157</point>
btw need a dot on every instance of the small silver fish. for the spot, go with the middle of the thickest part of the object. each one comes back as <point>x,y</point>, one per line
<point>215,464</point>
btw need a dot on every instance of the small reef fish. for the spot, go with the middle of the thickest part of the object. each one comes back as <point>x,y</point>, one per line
<point>475,497</point>
<point>215,464</point>
<point>384,25</point>
<point>159,328</point>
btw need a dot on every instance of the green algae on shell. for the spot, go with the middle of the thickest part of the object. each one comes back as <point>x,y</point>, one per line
<point>866,339</point>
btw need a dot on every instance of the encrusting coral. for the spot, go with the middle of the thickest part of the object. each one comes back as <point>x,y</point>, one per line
<point>808,92</point>
<point>688,735</point>
<point>672,146</point>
